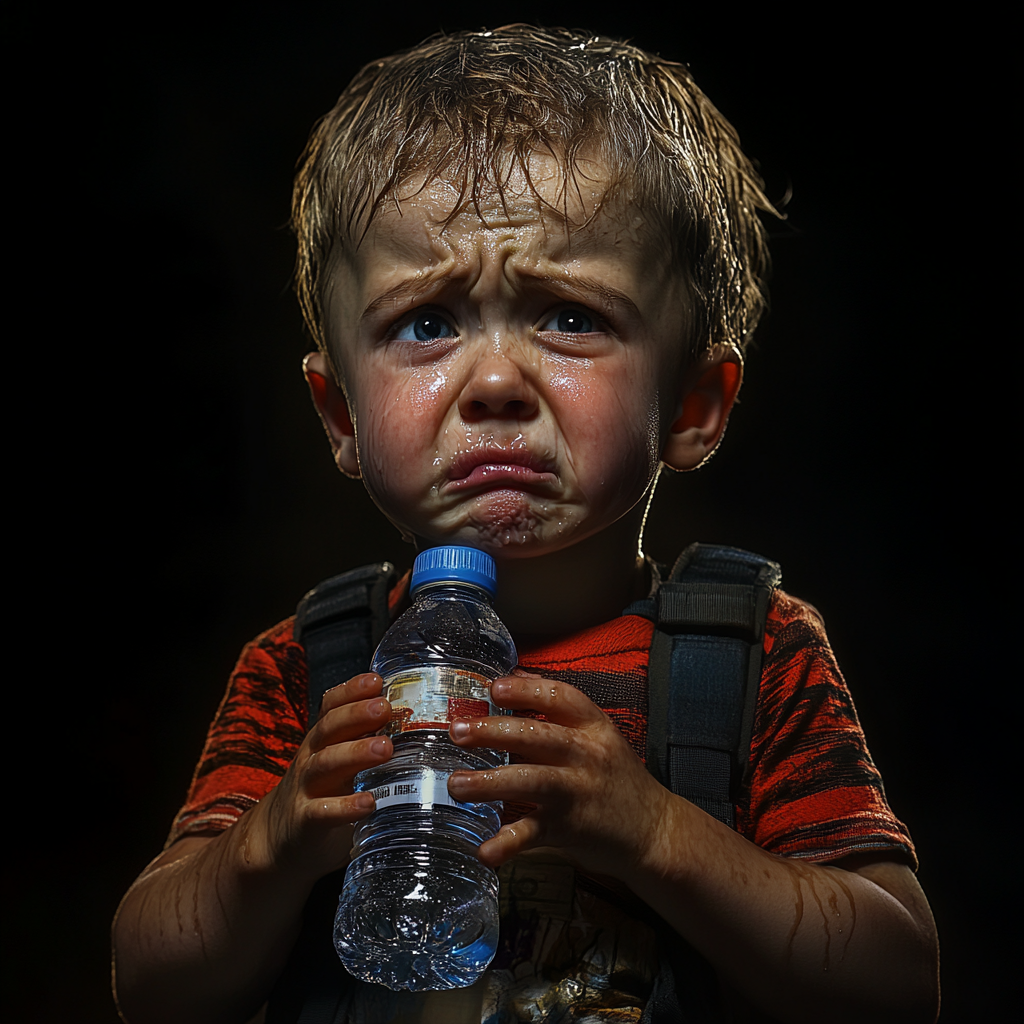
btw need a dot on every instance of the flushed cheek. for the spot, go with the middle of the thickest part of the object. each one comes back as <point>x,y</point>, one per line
<point>398,423</point>
<point>612,441</point>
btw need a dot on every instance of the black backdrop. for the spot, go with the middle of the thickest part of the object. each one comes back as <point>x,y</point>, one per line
<point>186,497</point>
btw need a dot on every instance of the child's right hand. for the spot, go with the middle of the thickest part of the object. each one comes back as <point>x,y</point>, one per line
<point>304,825</point>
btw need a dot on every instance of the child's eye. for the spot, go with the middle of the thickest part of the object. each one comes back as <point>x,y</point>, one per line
<point>425,327</point>
<point>570,321</point>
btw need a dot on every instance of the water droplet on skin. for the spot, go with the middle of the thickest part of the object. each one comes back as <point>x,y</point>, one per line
<point>536,692</point>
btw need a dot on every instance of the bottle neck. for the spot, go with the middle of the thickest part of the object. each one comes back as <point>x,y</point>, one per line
<point>451,588</point>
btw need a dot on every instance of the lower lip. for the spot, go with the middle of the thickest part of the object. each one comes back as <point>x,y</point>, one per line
<point>492,476</point>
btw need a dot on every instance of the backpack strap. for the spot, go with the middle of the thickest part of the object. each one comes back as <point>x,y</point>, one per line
<point>339,623</point>
<point>704,673</point>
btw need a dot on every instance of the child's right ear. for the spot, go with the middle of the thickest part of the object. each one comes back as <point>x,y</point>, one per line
<point>333,409</point>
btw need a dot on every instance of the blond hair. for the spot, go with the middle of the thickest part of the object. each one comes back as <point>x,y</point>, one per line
<point>474,107</point>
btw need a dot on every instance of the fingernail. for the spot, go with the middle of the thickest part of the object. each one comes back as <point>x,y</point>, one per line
<point>502,688</point>
<point>379,746</point>
<point>459,729</point>
<point>378,707</point>
<point>364,801</point>
<point>458,780</point>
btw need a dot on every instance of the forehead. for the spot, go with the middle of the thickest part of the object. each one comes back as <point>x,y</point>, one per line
<point>554,216</point>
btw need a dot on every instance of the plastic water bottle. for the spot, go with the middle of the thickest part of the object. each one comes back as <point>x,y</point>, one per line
<point>418,910</point>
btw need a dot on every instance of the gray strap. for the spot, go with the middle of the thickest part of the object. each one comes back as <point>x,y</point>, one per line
<point>339,623</point>
<point>704,673</point>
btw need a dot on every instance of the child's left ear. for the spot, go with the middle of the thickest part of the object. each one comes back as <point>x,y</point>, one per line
<point>707,395</point>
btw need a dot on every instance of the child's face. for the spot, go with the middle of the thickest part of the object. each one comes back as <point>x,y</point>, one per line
<point>510,383</point>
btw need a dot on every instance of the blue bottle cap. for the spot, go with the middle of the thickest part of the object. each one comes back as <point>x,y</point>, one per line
<point>452,563</point>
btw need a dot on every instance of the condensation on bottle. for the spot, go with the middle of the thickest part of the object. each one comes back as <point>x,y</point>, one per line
<point>418,910</point>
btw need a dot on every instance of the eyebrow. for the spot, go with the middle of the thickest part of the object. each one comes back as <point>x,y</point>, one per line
<point>580,282</point>
<point>418,287</point>
<point>396,295</point>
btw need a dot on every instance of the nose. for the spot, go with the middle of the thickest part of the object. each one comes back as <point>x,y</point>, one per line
<point>499,386</point>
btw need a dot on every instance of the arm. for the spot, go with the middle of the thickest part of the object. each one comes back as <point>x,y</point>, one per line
<point>803,941</point>
<point>205,931</point>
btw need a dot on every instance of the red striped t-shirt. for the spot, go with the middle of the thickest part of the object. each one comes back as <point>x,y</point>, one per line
<point>814,791</point>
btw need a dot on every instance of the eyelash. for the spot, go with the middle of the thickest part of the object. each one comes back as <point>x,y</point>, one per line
<point>594,322</point>
<point>431,319</point>
<point>427,316</point>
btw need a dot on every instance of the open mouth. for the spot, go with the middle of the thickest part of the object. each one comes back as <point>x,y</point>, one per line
<point>483,469</point>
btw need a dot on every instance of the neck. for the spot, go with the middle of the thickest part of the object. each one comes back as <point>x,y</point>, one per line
<point>576,587</point>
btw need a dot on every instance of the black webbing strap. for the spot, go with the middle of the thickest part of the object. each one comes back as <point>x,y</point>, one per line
<point>704,673</point>
<point>340,622</point>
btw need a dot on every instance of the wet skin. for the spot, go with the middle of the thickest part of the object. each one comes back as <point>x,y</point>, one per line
<point>510,382</point>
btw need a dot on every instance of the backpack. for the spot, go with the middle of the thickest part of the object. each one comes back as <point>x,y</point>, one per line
<point>704,674</point>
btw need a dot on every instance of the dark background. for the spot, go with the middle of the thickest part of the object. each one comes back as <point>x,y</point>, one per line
<point>180,496</point>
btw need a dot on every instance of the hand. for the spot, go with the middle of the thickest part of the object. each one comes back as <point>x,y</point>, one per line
<point>595,801</point>
<point>305,822</point>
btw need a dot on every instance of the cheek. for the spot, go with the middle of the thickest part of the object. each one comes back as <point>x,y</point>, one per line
<point>610,420</point>
<point>399,417</point>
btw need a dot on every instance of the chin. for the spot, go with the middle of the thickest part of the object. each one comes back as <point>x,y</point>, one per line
<point>510,524</point>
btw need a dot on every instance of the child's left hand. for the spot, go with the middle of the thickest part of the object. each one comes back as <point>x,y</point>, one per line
<point>595,801</point>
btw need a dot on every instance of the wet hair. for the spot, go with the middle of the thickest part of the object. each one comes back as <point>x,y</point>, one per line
<point>474,106</point>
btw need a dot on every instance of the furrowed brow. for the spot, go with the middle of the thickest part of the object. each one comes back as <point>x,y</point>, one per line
<point>573,284</point>
<point>403,293</point>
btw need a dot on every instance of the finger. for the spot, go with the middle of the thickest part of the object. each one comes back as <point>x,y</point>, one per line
<point>536,741</point>
<point>331,771</point>
<point>367,684</point>
<point>510,841</point>
<point>533,783</point>
<point>558,702</point>
<point>350,722</point>
<point>332,811</point>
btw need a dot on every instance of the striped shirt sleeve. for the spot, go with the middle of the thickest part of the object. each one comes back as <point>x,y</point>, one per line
<point>256,732</point>
<point>814,791</point>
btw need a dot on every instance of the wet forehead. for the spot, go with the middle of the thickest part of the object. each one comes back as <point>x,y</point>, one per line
<point>544,226</point>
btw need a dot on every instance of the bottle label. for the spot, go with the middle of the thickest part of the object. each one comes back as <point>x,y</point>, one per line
<point>430,789</point>
<point>432,696</point>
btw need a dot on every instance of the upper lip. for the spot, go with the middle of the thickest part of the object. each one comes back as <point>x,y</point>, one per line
<point>465,462</point>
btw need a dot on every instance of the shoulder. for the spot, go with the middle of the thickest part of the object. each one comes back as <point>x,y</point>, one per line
<point>269,676</point>
<point>787,611</point>
<point>799,665</point>
<point>275,643</point>
<point>795,641</point>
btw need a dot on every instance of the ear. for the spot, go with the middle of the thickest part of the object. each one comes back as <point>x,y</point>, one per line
<point>708,392</point>
<point>332,406</point>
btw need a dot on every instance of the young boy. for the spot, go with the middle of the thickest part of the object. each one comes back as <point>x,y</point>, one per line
<point>531,261</point>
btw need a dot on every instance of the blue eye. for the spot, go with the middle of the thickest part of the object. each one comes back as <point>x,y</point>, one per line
<point>570,321</point>
<point>426,327</point>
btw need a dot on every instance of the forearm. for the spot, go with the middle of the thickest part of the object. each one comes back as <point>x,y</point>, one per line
<point>207,928</point>
<point>803,941</point>
<point>204,932</point>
